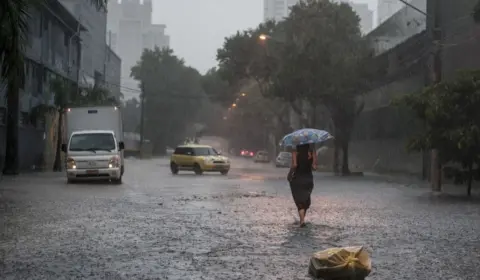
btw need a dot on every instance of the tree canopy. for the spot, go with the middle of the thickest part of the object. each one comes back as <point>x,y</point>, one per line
<point>172,95</point>
<point>452,120</point>
<point>316,57</point>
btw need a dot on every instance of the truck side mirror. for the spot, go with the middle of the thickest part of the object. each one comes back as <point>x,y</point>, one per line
<point>121,146</point>
<point>64,148</point>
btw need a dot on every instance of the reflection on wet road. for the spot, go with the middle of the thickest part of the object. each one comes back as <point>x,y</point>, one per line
<point>240,226</point>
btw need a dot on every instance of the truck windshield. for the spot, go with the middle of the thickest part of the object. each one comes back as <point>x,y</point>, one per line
<point>92,142</point>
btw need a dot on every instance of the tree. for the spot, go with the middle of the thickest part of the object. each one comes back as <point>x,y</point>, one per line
<point>171,93</point>
<point>244,57</point>
<point>452,119</point>
<point>216,88</point>
<point>13,37</point>
<point>476,12</point>
<point>324,61</point>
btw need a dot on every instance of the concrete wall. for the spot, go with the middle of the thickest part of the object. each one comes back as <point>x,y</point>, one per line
<point>381,132</point>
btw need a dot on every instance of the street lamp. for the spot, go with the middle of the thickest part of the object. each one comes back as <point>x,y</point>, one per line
<point>234,105</point>
<point>244,94</point>
<point>263,37</point>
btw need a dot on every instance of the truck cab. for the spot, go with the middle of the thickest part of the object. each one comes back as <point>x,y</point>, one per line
<point>94,154</point>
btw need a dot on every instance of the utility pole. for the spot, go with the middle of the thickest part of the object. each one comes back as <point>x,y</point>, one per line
<point>435,31</point>
<point>142,114</point>
<point>434,28</point>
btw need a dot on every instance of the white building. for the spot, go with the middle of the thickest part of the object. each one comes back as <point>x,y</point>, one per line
<point>94,48</point>
<point>277,9</point>
<point>366,16</point>
<point>131,30</point>
<point>386,9</point>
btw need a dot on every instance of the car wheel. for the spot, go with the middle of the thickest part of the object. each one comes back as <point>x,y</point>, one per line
<point>173,168</point>
<point>197,169</point>
<point>224,172</point>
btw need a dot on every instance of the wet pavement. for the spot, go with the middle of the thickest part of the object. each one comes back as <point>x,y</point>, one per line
<point>240,226</point>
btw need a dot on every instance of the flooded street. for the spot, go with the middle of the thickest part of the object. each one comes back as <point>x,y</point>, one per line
<point>240,226</point>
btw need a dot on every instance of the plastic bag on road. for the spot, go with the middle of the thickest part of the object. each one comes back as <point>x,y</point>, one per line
<point>347,263</point>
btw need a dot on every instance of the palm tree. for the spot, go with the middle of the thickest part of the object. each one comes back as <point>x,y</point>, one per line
<point>13,37</point>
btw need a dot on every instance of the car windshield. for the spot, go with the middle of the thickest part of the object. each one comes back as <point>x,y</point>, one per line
<point>92,142</point>
<point>205,151</point>
<point>285,155</point>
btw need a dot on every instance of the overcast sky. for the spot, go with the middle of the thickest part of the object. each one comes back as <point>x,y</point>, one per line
<point>197,28</point>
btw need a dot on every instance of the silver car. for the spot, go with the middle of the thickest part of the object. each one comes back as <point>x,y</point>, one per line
<point>284,159</point>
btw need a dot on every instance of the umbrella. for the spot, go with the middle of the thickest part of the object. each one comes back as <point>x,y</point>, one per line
<point>305,136</point>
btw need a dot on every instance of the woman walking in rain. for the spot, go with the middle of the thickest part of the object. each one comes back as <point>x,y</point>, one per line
<point>304,161</point>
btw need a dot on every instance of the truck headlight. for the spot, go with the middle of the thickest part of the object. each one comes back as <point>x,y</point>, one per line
<point>114,162</point>
<point>71,164</point>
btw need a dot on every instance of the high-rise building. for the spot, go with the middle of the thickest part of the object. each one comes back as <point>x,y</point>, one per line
<point>129,23</point>
<point>277,9</point>
<point>366,16</point>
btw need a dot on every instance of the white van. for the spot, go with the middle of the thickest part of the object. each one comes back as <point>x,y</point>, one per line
<point>94,148</point>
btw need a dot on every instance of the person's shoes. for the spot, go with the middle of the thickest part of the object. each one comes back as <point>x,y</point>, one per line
<point>302,225</point>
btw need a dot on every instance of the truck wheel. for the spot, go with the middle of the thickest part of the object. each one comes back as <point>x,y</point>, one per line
<point>224,172</point>
<point>173,168</point>
<point>197,169</point>
<point>117,181</point>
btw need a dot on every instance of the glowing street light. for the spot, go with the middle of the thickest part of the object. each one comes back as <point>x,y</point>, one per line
<point>263,37</point>
<point>244,94</point>
<point>234,105</point>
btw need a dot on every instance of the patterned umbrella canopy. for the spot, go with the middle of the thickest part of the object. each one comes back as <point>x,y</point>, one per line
<point>305,136</point>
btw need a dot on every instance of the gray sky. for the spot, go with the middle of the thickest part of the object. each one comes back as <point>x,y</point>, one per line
<point>197,28</point>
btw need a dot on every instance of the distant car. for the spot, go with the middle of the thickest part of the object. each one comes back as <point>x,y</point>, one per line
<point>199,159</point>
<point>246,153</point>
<point>284,159</point>
<point>261,156</point>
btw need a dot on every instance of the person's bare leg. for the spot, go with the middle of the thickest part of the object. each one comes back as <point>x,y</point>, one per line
<point>302,213</point>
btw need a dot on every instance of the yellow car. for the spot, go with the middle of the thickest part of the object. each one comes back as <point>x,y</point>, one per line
<point>198,158</point>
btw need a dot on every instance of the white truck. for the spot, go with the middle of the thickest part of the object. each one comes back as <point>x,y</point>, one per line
<point>94,148</point>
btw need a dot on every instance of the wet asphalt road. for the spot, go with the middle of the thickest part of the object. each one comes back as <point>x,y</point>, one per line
<point>240,226</point>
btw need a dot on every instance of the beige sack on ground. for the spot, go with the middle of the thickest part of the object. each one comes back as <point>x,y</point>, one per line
<point>347,263</point>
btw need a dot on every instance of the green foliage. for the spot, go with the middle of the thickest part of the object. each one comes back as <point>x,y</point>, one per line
<point>452,118</point>
<point>476,12</point>
<point>172,94</point>
<point>217,89</point>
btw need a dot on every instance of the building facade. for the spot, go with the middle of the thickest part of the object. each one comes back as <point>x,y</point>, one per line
<point>382,129</point>
<point>277,9</point>
<point>52,54</point>
<point>387,8</point>
<point>113,74</point>
<point>131,28</point>
<point>94,48</point>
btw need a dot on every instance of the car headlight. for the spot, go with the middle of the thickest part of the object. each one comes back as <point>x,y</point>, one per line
<point>114,162</point>
<point>71,164</point>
